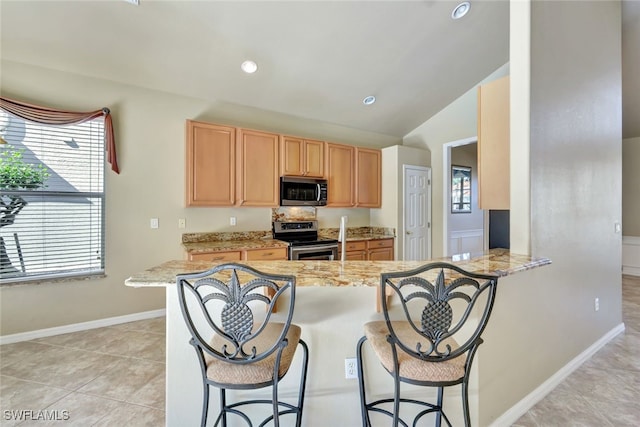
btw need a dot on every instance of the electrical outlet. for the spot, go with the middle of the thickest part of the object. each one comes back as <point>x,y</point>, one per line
<point>596,304</point>
<point>232,220</point>
<point>181,222</point>
<point>350,368</point>
<point>154,223</point>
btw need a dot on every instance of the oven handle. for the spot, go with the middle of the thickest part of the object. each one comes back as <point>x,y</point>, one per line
<point>317,247</point>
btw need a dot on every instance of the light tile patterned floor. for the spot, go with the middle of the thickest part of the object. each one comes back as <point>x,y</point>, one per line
<point>114,376</point>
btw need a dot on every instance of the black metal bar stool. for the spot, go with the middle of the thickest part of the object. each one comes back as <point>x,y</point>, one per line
<point>430,340</point>
<point>238,344</point>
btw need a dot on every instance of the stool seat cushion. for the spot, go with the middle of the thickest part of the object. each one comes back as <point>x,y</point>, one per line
<point>411,367</point>
<point>224,372</point>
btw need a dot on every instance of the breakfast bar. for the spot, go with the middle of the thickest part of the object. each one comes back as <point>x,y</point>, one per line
<point>334,300</point>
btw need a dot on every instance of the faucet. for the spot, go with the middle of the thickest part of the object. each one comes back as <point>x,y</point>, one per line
<point>342,237</point>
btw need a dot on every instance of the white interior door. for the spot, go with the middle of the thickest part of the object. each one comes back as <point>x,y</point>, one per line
<point>417,213</point>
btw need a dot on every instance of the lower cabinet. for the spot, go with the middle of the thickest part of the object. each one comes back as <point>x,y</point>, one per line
<point>269,254</point>
<point>369,250</point>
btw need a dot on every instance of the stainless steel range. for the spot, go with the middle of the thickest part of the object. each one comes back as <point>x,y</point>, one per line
<point>303,240</point>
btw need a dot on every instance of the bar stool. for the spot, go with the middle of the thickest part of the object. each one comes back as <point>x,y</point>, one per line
<point>238,344</point>
<point>430,340</point>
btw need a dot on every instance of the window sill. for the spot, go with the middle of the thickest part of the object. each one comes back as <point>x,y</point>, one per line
<point>41,280</point>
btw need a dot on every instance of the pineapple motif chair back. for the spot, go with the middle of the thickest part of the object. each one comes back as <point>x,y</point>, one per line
<point>431,330</point>
<point>240,340</point>
<point>227,308</point>
<point>446,307</point>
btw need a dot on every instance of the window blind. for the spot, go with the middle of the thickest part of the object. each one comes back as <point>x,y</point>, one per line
<point>52,194</point>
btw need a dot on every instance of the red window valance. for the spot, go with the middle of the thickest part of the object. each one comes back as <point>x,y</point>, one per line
<point>49,116</point>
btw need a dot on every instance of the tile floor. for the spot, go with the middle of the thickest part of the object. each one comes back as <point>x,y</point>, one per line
<point>114,376</point>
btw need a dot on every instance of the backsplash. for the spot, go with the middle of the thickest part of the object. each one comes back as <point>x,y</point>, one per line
<point>293,213</point>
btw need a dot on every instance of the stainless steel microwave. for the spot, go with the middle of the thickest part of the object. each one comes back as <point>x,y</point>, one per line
<point>299,191</point>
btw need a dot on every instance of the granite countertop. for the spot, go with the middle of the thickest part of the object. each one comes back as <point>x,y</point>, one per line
<point>238,241</point>
<point>359,233</point>
<point>343,273</point>
<point>233,245</point>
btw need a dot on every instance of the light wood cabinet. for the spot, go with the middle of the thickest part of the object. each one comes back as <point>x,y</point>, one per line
<point>368,250</point>
<point>493,145</point>
<point>354,250</point>
<point>210,164</point>
<point>340,160</point>
<point>368,177</point>
<point>380,250</point>
<point>216,256</point>
<point>301,157</point>
<point>264,254</point>
<point>257,174</point>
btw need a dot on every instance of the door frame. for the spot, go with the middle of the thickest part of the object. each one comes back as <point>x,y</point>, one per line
<point>428,209</point>
<point>446,193</point>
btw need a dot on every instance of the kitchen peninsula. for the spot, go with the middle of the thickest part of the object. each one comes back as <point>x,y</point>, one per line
<point>334,300</point>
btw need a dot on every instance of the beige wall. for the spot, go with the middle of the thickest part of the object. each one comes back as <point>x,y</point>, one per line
<point>455,122</point>
<point>150,139</point>
<point>631,187</point>
<point>575,130</point>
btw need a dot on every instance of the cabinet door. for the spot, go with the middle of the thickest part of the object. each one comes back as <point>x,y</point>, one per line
<point>266,254</point>
<point>300,157</point>
<point>382,254</point>
<point>216,256</point>
<point>292,156</point>
<point>314,158</point>
<point>493,145</point>
<point>210,164</point>
<point>340,175</point>
<point>368,178</point>
<point>355,256</point>
<point>257,168</point>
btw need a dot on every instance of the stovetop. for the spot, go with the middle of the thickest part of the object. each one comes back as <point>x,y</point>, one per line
<point>299,233</point>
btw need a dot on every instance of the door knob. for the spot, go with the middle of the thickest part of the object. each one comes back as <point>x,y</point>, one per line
<point>409,232</point>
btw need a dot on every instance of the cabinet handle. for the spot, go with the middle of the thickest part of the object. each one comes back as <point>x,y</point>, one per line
<point>267,254</point>
<point>217,258</point>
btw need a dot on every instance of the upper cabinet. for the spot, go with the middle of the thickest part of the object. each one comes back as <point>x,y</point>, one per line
<point>210,164</point>
<point>493,145</point>
<point>257,173</point>
<point>368,178</point>
<point>301,157</point>
<point>232,166</point>
<point>340,162</point>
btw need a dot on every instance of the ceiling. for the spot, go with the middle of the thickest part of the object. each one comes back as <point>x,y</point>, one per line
<point>316,59</point>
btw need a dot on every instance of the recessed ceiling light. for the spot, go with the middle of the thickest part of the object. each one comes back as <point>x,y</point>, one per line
<point>369,100</point>
<point>249,67</point>
<point>460,10</point>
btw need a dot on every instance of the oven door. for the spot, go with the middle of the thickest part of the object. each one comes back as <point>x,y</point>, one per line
<point>315,252</point>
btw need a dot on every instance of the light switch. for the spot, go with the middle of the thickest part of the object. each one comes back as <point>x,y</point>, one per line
<point>154,223</point>
<point>617,227</point>
<point>181,222</point>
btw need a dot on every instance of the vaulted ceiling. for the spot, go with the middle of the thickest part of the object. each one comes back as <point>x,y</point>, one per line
<point>316,59</point>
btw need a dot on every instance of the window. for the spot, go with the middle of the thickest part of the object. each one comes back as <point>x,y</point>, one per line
<point>460,189</point>
<point>52,199</point>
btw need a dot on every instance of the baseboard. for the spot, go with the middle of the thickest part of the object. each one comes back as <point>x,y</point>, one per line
<point>519,409</point>
<point>76,327</point>
<point>631,271</point>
